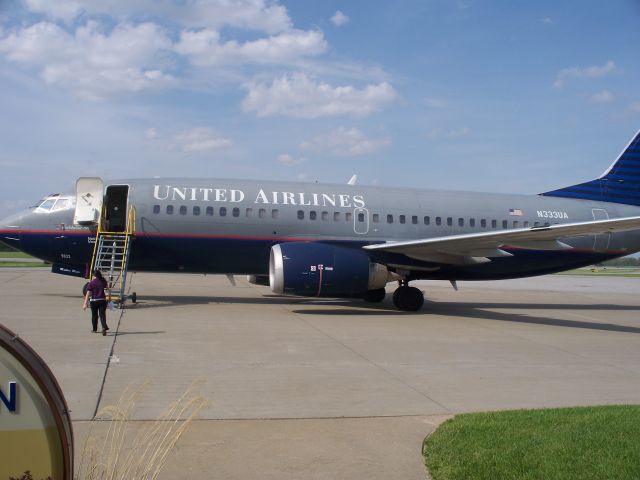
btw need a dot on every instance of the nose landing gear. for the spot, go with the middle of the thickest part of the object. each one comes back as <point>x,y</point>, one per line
<point>407,298</point>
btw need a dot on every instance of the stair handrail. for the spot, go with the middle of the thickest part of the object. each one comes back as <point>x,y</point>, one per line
<point>103,216</point>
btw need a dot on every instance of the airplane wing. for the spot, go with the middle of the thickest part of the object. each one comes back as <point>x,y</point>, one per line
<point>481,247</point>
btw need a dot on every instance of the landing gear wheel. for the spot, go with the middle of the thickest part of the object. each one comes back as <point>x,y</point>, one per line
<point>84,289</point>
<point>375,296</point>
<point>134,297</point>
<point>409,299</point>
<point>395,297</point>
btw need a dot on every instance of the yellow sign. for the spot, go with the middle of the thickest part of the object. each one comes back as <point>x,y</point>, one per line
<point>35,428</point>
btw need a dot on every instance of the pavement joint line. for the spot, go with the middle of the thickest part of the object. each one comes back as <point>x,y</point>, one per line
<point>279,419</point>
<point>399,379</point>
<point>14,278</point>
<point>106,369</point>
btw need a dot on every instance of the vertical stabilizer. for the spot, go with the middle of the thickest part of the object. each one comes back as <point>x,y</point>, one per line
<point>619,184</point>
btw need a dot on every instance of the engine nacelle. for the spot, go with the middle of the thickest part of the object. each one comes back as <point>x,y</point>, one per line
<point>323,270</point>
<point>258,280</point>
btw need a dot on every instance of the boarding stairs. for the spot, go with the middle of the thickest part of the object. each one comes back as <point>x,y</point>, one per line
<point>111,256</point>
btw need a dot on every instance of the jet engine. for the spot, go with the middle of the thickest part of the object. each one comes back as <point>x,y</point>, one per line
<point>324,270</point>
<point>258,280</point>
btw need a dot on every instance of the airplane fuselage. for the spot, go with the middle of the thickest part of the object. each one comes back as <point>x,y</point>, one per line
<point>229,226</point>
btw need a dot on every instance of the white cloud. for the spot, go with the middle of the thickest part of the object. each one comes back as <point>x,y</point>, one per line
<point>339,19</point>
<point>300,96</point>
<point>200,140</point>
<point>290,160</point>
<point>595,71</point>
<point>604,96</point>
<point>204,47</point>
<point>92,64</point>
<point>151,134</point>
<point>635,107</point>
<point>301,176</point>
<point>547,21</point>
<point>433,102</point>
<point>346,142</point>
<point>451,134</point>
<point>250,14</point>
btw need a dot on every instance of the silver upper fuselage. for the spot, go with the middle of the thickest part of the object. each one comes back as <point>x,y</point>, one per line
<point>174,211</point>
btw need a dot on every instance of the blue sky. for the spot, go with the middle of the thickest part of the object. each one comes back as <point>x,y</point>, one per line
<point>478,95</point>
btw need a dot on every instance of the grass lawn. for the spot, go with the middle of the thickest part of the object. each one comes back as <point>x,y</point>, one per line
<point>14,255</point>
<point>22,264</point>
<point>566,443</point>
<point>609,272</point>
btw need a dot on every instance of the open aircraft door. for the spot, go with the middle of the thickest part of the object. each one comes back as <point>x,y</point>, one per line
<point>89,194</point>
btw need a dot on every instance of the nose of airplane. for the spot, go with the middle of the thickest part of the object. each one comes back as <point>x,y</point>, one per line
<point>10,230</point>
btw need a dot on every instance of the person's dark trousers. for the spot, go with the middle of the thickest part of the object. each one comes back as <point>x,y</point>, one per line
<point>99,307</point>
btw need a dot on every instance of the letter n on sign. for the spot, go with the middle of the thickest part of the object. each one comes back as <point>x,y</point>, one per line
<point>11,402</point>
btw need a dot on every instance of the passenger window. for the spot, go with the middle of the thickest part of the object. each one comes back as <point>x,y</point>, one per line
<point>262,213</point>
<point>505,224</point>
<point>438,221</point>
<point>361,217</point>
<point>449,221</point>
<point>156,209</point>
<point>494,224</point>
<point>461,222</point>
<point>389,218</point>
<point>300,215</point>
<point>183,210</point>
<point>526,225</point>
<point>235,212</point>
<point>275,213</point>
<point>472,222</point>
<point>336,216</point>
<point>223,211</point>
<point>196,211</point>
<point>414,219</point>
<point>427,220</point>
<point>402,218</point>
<point>515,224</point>
<point>376,218</point>
<point>209,211</point>
<point>312,215</point>
<point>483,223</point>
<point>169,209</point>
<point>249,212</point>
<point>325,216</point>
<point>348,216</point>
<point>536,224</point>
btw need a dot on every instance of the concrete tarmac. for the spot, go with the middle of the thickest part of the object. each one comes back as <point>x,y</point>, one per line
<point>304,388</point>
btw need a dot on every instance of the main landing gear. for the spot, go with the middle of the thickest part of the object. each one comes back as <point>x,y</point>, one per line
<point>407,298</point>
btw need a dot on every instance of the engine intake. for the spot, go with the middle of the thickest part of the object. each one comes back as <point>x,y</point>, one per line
<point>323,270</point>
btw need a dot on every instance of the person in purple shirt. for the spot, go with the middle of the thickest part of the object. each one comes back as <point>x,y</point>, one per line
<point>97,296</point>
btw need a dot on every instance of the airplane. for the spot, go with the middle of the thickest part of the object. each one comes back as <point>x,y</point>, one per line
<point>341,241</point>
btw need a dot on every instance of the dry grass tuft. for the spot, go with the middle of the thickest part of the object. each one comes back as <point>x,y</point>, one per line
<point>141,456</point>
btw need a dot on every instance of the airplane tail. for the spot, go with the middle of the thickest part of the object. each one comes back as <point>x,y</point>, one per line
<point>619,184</point>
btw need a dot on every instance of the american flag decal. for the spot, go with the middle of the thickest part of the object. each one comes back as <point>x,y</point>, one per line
<point>515,211</point>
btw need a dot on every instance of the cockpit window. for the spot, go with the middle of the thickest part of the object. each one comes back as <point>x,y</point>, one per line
<point>62,204</point>
<point>47,204</point>
<point>54,202</point>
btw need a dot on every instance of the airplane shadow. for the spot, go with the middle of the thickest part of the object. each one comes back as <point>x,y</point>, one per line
<point>119,334</point>
<point>477,311</point>
<point>356,307</point>
<point>160,301</point>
